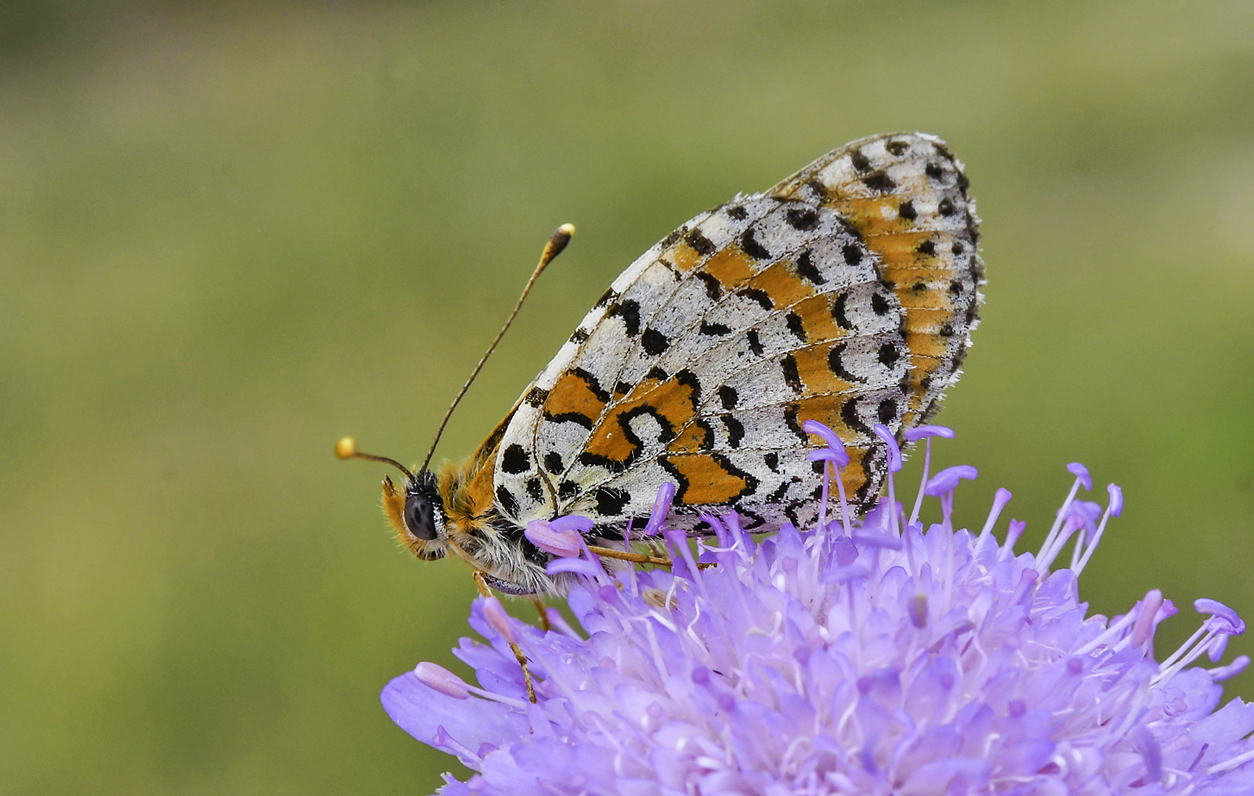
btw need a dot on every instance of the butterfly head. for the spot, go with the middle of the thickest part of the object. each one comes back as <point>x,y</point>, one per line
<point>417,514</point>
<point>416,511</point>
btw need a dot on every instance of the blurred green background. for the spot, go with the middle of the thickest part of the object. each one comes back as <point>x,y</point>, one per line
<point>230,235</point>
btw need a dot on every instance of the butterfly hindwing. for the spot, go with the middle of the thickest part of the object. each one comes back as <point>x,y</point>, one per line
<point>906,194</point>
<point>846,295</point>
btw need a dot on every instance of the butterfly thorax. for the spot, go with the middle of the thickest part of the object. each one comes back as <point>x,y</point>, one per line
<point>477,531</point>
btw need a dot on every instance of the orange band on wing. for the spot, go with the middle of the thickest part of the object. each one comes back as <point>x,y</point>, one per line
<point>671,403</point>
<point>576,397</point>
<point>815,369</point>
<point>707,479</point>
<point>730,267</point>
<point>782,286</point>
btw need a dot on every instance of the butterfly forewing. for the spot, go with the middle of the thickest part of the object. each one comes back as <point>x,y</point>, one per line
<point>846,295</point>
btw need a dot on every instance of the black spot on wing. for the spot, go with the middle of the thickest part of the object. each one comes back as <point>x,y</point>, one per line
<point>879,181</point>
<point>790,511</point>
<point>934,171</point>
<point>579,336</point>
<point>906,210</point>
<point>838,311</point>
<point>820,190</point>
<point>802,218</point>
<point>536,397</point>
<point>611,501</point>
<point>772,461</point>
<point>657,374</point>
<point>752,247</point>
<point>567,490</point>
<point>788,366</point>
<point>794,325</point>
<point>886,411</point>
<point>629,311</point>
<point>535,490</point>
<point>689,379</point>
<point>515,460</point>
<point>700,243</point>
<point>713,329</point>
<point>654,342</point>
<point>794,424</point>
<point>735,431</point>
<point>807,270</point>
<point>760,296</point>
<point>509,503</point>
<point>852,253</point>
<point>897,148</point>
<point>713,288</point>
<point>836,364</point>
<point>926,247</point>
<point>860,162</point>
<point>849,414</point>
<point>780,492</point>
<point>727,397</point>
<point>946,207</point>
<point>755,343</point>
<point>553,462</point>
<point>888,355</point>
<point>578,418</point>
<point>880,305</point>
<point>738,212</point>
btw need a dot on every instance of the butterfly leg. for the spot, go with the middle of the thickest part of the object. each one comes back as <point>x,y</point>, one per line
<point>637,558</point>
<point>486,591</point>
<point>627,555</point>
<point>544,614</point>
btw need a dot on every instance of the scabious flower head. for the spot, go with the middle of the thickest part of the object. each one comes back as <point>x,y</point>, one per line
<point>857,657</point>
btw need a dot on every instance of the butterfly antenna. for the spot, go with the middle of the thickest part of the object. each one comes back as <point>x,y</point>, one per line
<point>561,236</point>
<point>346,448</point>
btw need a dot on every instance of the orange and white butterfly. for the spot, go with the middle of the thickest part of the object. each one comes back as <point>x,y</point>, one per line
<point>846,294</point>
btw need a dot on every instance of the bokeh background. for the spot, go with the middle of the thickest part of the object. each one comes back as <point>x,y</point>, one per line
<point>230,235</point>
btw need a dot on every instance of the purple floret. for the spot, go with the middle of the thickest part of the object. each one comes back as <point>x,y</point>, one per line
<point>895,661</point>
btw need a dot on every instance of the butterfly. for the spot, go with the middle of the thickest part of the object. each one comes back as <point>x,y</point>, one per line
<point>846,294</point>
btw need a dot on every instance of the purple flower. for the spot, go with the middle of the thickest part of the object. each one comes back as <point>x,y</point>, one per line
<point>888,660</point>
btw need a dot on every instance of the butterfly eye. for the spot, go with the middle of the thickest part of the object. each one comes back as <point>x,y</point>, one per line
<point>419,516</point>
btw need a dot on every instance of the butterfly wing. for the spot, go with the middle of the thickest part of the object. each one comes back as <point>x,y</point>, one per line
<point>846,294</point>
